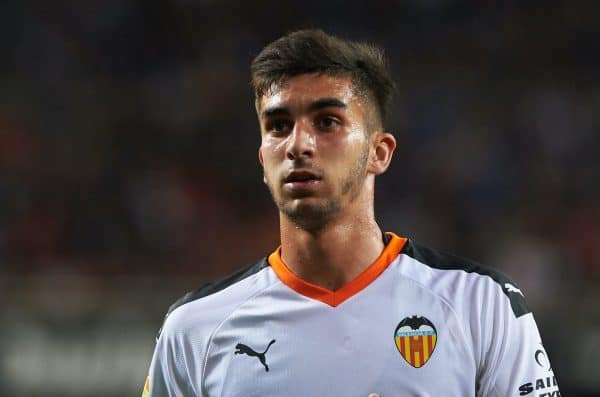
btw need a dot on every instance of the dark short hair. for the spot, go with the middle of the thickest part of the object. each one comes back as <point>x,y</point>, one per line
<point>314,51</point>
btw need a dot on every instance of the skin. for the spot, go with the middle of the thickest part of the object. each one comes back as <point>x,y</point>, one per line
<point>318,124</point>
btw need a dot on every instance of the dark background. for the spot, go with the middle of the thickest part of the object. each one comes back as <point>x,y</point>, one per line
<point>129,174</point>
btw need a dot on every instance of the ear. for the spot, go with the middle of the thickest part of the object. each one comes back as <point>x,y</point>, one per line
<point>260,157</point>
<point>383,145</point>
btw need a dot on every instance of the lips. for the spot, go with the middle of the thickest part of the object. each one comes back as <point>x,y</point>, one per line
<point>301,176</point>
<point>300,183</point>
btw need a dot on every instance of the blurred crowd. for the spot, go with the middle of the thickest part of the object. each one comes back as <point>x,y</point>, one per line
<point>128,138</point>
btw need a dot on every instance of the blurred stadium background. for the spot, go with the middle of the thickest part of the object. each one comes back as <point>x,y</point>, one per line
<point>128,169</point>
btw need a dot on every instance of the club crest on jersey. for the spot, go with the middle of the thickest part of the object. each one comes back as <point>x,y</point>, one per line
<point>415,339</point>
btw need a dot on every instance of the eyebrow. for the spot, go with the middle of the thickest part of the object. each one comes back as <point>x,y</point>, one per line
<point>326,103</point>
<point>316,105</point>
<point>276,111</point>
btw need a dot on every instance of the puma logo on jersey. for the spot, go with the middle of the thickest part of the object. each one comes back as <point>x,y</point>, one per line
<point>512,288</point>
<point>243,349</point>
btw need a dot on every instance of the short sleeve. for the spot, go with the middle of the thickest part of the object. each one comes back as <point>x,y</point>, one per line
<point>515,362</point>
<point>168,374</point>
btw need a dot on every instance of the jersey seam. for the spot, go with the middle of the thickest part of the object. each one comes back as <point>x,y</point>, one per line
<point>445,301</point>
<point>173,368</point>
<point>219,325</point>
<point>494,388</point>
<point>492,382</point>
<point>495,275</point>
<point>497,365</point>
<point>489,279</point>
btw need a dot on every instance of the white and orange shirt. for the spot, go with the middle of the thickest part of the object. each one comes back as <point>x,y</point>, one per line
<point>415,323</point>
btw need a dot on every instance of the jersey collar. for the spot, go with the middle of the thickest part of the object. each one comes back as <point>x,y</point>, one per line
<point>335,298</point>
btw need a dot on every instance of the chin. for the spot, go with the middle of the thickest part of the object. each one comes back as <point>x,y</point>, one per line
<point>309,214</point>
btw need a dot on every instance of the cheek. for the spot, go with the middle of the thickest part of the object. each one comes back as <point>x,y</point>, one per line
<point>357,137</point>
<point>272,151</point>
<point>269,154</point>
<point>357,130</point>
<point>353,145</point>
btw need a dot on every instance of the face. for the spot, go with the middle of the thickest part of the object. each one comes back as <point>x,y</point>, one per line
<point>315,146</point>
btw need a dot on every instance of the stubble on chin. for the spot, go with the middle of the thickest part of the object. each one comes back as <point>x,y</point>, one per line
<point>305,216</point>
<point>311,217</point>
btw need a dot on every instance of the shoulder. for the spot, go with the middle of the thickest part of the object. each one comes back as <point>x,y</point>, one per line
<point>460,280</point>
<point>212,288</point>
<point>184,339</point>
<point>209,304</point>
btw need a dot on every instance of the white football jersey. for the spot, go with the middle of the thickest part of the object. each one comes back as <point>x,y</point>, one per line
<point>415,323</point>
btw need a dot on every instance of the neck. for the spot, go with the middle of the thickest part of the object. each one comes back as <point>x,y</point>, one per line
<point>332,256</point>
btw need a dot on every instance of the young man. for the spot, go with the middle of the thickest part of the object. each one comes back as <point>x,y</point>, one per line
<point>340,308</point>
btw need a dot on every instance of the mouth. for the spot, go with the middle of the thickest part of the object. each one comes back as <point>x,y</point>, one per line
<point>301,176</point>
<point>301,182</point>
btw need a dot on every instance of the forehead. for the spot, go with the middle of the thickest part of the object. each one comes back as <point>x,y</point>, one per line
<point>302,90</point>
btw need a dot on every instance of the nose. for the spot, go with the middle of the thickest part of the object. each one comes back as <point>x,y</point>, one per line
<point>301,142</point>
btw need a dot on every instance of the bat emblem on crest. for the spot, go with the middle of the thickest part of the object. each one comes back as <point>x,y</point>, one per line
<point>415,339</point>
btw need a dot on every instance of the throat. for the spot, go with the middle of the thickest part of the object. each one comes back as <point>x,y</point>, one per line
<point>326,276</point>
<point>333,261</point>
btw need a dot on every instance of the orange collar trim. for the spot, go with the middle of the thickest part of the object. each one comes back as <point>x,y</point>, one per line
<point>335,298</point>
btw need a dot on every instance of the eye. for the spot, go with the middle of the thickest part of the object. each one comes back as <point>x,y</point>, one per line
<point>278,126</point>
<point>328,123</point>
